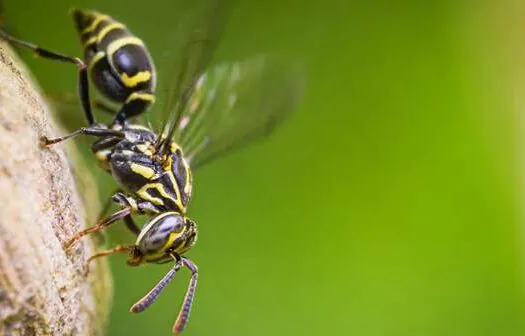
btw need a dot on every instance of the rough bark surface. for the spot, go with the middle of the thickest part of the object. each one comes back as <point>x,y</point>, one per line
<point>42,287</point>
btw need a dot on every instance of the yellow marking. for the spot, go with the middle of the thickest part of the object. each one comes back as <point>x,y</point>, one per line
<point>178,201</point>
<point>188,188</point>
<point>174,147</point>
<point>189,185</point>
<point>138,127</point>
<point>143,96</point>
<point>101,155</point>
<point>98,19</point>
<point>162,251</point>
<point>119,43</point>
<point>143,193</point>
<point>117,127</point>
<point>109,28</point>
<point>132,203</point>
<point>182,246</point>
<point>143,171</point>
<point>128,152</point>
<point>163,193</point>
<point>145,148</point>
<point>140,77</point>
<point>91,40</point>
<point>102,158</point>
<point>168,164</point>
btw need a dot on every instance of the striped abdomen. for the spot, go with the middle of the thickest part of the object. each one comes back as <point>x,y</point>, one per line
<point>120,65</point>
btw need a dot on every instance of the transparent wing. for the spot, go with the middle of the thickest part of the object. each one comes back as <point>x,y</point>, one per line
<point>235,103</point>
<point>198,32</point>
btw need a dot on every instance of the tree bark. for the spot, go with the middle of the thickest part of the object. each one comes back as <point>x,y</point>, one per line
<point>42,287</point>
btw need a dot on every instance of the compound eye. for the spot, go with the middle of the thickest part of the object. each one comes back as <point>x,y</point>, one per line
<point>178,225</point>
<point>156,233</point>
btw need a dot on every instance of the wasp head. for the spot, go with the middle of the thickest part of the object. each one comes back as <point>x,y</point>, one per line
<point>164,236</point>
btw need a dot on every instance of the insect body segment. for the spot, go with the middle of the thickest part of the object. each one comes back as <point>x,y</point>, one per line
<point>119,63</point>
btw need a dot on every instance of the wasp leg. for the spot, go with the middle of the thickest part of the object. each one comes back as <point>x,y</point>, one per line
<point>107,205</point>
<point>131,225</point>
<point>98,227</point>
<point>83,85</point>
<point>94,131</point>
<point>106,253</point>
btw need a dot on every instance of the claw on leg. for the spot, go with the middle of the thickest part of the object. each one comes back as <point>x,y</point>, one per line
<point>44,142</point>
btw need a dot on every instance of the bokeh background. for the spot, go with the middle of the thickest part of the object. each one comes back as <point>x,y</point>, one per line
<point>390,203</point>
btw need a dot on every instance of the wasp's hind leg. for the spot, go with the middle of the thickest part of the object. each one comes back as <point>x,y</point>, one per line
<point>83,85</point>
<point>131,225</point>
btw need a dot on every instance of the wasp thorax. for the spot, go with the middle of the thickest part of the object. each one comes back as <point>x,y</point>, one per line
<point>165,235</point>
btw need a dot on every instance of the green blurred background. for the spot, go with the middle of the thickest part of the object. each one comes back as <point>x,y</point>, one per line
<point>389,204</point>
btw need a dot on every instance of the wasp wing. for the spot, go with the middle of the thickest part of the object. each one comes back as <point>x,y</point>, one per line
<point>235,103</point>
<point>197,36</point>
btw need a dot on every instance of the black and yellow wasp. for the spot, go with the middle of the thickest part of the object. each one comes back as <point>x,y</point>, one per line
<point>208,111</point>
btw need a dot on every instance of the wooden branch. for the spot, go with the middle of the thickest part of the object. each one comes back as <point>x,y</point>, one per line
<point>42,287</point>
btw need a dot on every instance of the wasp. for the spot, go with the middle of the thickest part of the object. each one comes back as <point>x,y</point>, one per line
<point>208,111</point>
